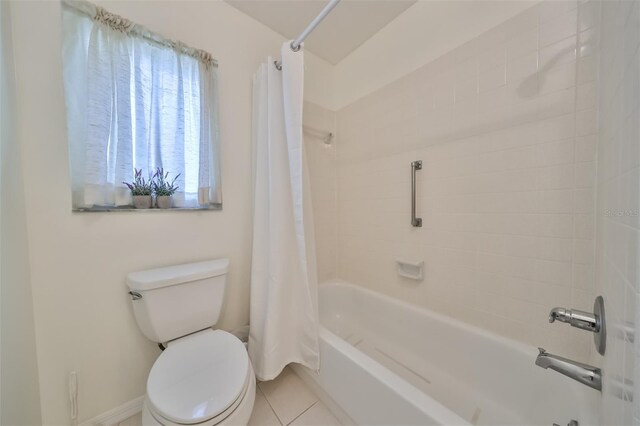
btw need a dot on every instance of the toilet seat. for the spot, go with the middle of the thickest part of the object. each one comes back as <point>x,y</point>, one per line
<point>237,414</point>
<point>199,379</point>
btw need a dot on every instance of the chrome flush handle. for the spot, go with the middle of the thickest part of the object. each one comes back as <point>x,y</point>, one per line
<point>135,295</point>
<point>572,422</point>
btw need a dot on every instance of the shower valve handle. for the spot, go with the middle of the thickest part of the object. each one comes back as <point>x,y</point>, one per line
<point>593,322</point>
<point>579,319</point>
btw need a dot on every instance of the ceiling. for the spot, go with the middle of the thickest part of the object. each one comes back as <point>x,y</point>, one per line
<point>337,36</point>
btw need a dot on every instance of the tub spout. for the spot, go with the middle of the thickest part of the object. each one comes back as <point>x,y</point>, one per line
<point>583,373</point>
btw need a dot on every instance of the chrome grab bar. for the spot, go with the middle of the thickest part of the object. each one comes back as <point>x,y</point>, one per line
<point>415,221</point>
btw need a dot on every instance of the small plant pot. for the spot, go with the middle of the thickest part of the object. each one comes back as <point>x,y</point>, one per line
<point>142,201</point>
<point>164,201</point>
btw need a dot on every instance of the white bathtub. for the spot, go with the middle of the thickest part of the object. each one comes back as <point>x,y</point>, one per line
<point>386,362</point>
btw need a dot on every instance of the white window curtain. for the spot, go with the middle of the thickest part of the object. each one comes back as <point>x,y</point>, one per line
<point>136,101</point>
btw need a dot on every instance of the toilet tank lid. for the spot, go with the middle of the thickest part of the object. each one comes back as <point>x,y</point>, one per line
<point>177,274</point>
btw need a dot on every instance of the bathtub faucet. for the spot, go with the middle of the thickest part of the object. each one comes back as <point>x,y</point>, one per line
<point>583,373</point>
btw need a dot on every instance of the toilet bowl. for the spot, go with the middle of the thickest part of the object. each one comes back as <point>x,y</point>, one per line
<point>201,379</point>
<point>204,376</point>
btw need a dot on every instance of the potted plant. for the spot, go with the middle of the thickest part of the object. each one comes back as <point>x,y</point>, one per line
<point>141,190</point>
<point>164,188</point>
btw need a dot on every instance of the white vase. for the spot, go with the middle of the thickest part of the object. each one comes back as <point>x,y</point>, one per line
<point>142,201</point>
<point>164,201</point>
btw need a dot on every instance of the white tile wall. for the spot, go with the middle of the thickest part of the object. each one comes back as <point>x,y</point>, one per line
<point>321,159</point>
<point>618,207</point>
<point>506,126</point>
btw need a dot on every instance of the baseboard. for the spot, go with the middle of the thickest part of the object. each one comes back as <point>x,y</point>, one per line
<point>118,414</point>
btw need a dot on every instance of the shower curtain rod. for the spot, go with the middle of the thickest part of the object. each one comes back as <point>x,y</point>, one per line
<point>295,44</point>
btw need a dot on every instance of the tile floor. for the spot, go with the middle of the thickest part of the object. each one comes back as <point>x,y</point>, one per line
<point>287,400</point>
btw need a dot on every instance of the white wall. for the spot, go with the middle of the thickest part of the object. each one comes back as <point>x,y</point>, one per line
<point>321,159</point>
<point>318,81</point>
<point>618,209</point>
<point>19,392</point>
<point>83,318</point>
<point>505,126</point>
<point>419,35</point>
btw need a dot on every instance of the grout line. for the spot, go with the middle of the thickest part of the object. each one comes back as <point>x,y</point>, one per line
<point>271,407</point>
<point>309,408</point>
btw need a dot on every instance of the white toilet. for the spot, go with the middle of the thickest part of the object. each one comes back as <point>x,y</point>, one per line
<point>204,376</point>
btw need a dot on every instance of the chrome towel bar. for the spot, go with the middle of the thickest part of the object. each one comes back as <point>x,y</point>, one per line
<point>415,221</point>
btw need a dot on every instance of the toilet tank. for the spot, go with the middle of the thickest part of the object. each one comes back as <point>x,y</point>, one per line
<point>174,301</point>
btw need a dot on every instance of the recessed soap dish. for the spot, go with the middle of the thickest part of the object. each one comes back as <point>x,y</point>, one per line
<point>410,269</point>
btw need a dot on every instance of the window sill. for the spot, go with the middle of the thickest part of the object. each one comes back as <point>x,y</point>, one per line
<point>99,209</point>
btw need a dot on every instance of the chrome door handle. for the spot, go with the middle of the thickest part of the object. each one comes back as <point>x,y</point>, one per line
<point>415,221</point>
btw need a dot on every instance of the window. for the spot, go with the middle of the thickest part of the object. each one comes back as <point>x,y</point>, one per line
<point>137,101</point>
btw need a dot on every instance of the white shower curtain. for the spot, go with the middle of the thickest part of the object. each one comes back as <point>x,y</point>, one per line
<point>284,307</point>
